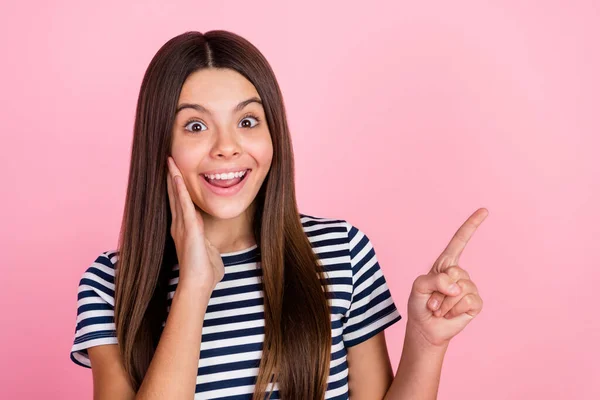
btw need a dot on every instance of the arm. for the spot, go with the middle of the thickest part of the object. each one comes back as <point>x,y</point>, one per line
<point>370,375</point>
<point>419,370</point>
<point>369,369</point>
<point>418,374</point>
<point>173,370</point>
<point>441,304</point>
<point>109,377</point>
<point>174,367</point>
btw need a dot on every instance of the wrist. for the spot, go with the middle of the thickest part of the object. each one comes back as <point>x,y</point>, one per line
<point>419,370</point>
<point>418,341</point>
<point>196,289</point>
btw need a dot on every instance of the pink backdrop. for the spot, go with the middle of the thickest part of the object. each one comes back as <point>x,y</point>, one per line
<point>429,111</point>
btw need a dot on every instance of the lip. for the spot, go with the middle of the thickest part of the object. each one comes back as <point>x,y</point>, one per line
<point>230,191</point>
<point>225,170</point>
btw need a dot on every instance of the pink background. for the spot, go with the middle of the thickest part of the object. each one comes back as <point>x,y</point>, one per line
<point>406,117</point>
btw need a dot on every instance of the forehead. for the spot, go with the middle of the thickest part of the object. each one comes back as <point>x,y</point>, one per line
<point>216,88</point>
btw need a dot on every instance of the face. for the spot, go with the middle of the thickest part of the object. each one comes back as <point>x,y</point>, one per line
<point>221,142</point>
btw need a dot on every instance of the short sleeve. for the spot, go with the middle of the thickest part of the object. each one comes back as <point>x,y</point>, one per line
<point>95,309</point>
<point>372,308</point>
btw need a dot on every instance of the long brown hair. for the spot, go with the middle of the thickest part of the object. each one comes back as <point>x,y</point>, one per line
<point>297,340</point>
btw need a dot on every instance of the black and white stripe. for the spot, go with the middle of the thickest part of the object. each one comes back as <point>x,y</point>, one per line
<point>233,330</point>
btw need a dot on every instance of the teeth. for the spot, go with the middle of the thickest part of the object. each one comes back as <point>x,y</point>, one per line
<point>225,176</point>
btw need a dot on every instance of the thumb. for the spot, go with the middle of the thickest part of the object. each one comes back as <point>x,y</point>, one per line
<point>441,282</point>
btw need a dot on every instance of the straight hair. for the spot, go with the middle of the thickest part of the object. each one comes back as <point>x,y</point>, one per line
<point>297,334</point>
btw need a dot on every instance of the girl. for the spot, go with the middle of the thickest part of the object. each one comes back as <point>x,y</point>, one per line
<point>219,287</point>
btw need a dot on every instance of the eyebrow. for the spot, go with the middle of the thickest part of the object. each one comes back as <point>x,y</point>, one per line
<point>200,108</point>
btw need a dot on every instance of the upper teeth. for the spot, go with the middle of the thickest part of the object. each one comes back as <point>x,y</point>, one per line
<point>229,175</point>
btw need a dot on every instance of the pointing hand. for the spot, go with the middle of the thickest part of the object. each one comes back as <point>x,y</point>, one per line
<point>445,300</point>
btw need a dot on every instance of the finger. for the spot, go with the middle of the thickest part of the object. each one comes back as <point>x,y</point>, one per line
<point>467,287</point>
<point>427,284</point>
<point>170,194</point>
<point>435,301</point>
<point>188,211</point>
<point>471,304</point>
<point>187,207</point>
<point>456,273</point>
<point>460,239</point>
<point>176,201</point>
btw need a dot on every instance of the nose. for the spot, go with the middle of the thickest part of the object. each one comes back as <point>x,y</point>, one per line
<point>226,145</point>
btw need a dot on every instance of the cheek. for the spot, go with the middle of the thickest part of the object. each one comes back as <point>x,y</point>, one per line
<point>262,151</point>
<point>186,157</point>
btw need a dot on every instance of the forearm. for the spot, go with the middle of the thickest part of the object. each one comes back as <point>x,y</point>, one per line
<point>174,367</point>
<point>419,370</point>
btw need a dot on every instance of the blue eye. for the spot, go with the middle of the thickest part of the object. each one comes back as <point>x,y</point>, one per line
<point>194,124</point>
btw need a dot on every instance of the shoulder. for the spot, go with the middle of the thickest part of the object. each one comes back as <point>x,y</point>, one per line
<point>333,227</point>
<point>312,223</point>
<point>98,279</point>
<point>103,266</point>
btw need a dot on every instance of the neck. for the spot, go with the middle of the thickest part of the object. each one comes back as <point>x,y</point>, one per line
<point>230,235</point>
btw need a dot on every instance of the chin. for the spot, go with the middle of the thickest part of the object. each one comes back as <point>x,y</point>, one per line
<point>225,212</point>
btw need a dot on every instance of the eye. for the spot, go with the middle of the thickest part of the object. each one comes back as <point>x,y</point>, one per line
<point>248,118</point>
<point>195,126</point>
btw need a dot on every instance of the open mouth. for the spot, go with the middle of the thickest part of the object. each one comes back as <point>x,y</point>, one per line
<point>217,182</point>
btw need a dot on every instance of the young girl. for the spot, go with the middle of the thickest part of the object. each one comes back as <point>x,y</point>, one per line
<point>220,288</point>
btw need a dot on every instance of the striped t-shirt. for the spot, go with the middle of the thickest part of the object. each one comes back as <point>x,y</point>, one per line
<point>233,329</point>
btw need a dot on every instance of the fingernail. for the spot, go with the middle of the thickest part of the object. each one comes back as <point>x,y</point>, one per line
<point>435,304</point>
<point>454,289</point>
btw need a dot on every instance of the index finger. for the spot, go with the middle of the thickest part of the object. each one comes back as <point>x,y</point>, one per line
<point>463,234</point>
<point>170,193</point>
<point>184,200</point>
